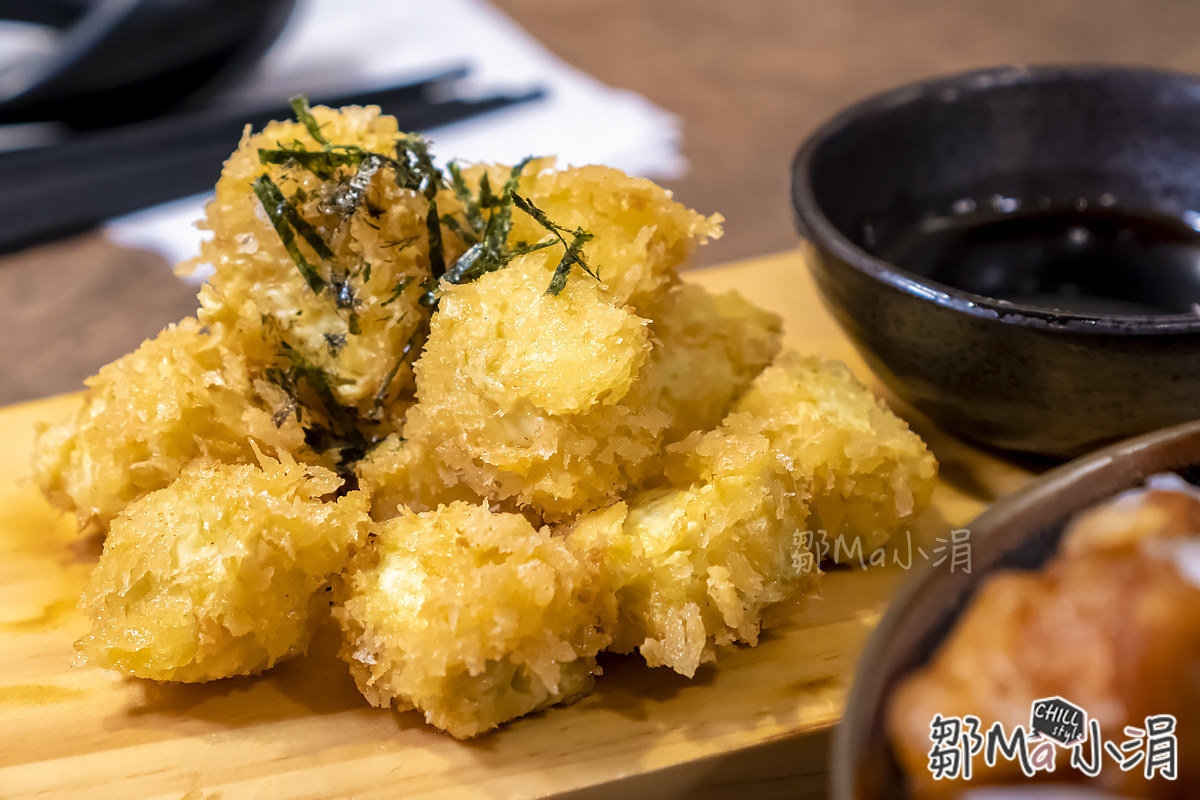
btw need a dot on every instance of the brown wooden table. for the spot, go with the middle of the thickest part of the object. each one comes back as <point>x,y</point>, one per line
<point>750,80</point>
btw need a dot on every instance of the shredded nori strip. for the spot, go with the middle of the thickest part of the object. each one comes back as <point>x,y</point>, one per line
<point>342,434</point>
<point>489,251</point>
<point>303,113</point>
<point>463,232</point>
<point>487,214</point>
<point>463,193</point>
<point>381,394</point>
<point>401,285</point>
<point>574,249</point>
<point>322,163</point>
<point>277,208</point>
<point>437,256</point>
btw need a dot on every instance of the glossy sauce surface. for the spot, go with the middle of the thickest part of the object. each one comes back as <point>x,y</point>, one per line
<point>1086,261</point>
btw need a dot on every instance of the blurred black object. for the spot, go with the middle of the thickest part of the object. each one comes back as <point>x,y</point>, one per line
<point>66,188</point>
<point>119,61</point>
<point>130,77</point>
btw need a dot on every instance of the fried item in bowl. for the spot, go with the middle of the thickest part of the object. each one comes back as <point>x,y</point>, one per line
<point>1111,623</point>
<point>477,408</point>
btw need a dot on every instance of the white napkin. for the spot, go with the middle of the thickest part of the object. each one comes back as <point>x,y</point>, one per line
<point>348,45</point>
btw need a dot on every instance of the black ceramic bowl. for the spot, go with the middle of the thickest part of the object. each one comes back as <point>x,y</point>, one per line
<point>1020,532</point>
<point>1017,377</point>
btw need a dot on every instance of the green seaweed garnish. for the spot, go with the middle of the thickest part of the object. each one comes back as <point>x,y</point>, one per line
<point>401,285</point>
<point>574,249</point>
<point>280,212</point>
<point>303,113</point>
<point>322,163</point>
<point>484,227</point>
<point>381,393</point>
<point>342,433</point>
<point>488,239</point>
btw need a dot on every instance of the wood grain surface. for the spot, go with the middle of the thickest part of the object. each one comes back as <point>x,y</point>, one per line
<point>749,80</point>
<point>756,723</point>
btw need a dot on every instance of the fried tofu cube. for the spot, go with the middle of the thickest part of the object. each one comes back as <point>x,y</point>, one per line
<point>869,475</point>
<point>541,398</point>
<point>710,348</point>
<point>693,566</point>
<point>359,327</point>
<point>692,569</point>
<point>640,234</point>
<point>472,617</point>
<point>180,397</point>
<point>405,474</point>
<point>221,573</point>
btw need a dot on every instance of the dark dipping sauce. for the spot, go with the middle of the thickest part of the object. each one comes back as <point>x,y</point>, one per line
<point>1090,261</point>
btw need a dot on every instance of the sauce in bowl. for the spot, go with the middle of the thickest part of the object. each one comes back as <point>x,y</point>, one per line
<point>1083,260</point>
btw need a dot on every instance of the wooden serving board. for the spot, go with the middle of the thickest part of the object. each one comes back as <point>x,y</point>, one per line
<point>303,731</point>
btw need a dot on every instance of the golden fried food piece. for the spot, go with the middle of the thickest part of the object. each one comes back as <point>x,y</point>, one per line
<point>1167,508</point>
<point>471,617</point>
<point>709,348</point>
<point>538,397</point>
<point>179,397</point>
<point>694,566</point>
<point>1112,624</point>
<point>870,475</point>
<point>712,346</point>
<point>357,322</point>
<point>692,569</point>
<point>221,573</point>
<point>404,474</point>
<point>640,234</point>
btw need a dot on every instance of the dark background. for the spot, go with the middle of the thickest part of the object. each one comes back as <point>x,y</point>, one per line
<point>749,80</point>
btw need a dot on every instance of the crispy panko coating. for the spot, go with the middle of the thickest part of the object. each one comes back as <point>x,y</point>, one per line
<point>712,346</point>
<point>221,573</point>
<point>538,397</point>
<point>641,235</point>
<point>1112,624</point>
<point>708,349</point>
<point>179,397</point>
<point>405,474</point>
<point>471,617</point>
<point>869,474</point>
<point>487,349</point>
<point>694,566</point>
<point>357,328</point>
<point>692,569</point>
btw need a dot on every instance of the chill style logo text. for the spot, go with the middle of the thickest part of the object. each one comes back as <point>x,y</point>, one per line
<point>1055,724</point>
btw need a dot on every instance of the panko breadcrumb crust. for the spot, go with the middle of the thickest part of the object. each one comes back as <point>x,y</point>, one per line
<point>221,572</point>
<point>495,474</point>
<point>182,396</point>
<point>471,617</point>
<point>693,566</point>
